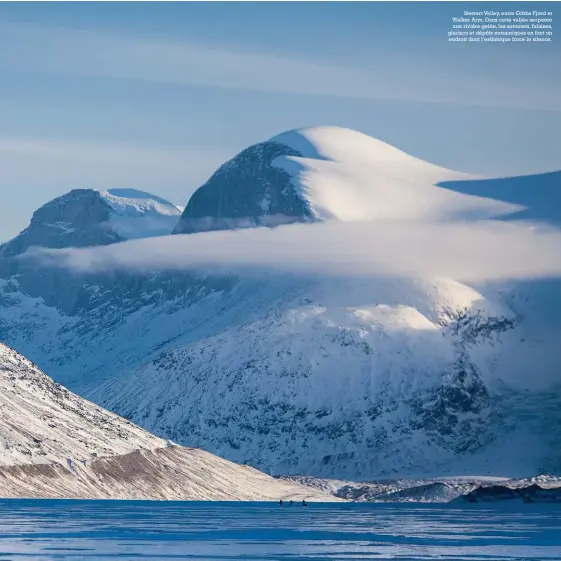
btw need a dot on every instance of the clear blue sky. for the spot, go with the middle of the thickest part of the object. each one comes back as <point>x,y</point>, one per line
<point>156,95</point>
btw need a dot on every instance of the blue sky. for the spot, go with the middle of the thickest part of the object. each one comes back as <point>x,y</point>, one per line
<point>156,95</point>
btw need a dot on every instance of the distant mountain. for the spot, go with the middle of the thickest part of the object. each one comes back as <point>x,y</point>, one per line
<point>498,493</point>
<point>56,444</point>
<point>392,491</point>
<point>336,376</point>
<point>541,488</point>
<point>85,217</point>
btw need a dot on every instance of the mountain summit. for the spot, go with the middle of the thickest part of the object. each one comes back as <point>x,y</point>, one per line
<point>324,173</point>
<point>86,217</point>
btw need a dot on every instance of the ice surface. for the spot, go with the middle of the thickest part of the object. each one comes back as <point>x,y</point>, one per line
<point>31,529</point>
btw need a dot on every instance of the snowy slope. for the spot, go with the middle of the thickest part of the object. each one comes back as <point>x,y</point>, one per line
<point>538,196</point>
<point>349,379</point>
<point>339,377</point>
<point>56,444</point>
<point>347,175</point>
<point>172,473</point>
<point>42,422</point>
<point>136,214</point>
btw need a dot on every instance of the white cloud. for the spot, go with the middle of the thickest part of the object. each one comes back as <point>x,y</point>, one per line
<point>46,49</point>
<point>469,252</point>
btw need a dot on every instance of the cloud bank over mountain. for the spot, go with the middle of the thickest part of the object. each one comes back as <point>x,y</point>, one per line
<point>476,251</point>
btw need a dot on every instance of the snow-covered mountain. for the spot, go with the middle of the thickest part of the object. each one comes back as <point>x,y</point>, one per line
<point>324,173</point>
<point>85,217</point>
<point>56,444</point>
<point>42,422</point>
<point>336,376</point>
<point>531,494</point>
<point>396,491</point>
<point>443,490</point>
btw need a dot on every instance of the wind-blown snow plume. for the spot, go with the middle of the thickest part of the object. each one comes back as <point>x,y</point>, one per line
<point>475,251</point>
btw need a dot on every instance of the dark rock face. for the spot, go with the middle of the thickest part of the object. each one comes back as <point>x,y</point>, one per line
<point>77,219</point>
<point>457,412</point>
<point>246,191</point>
<point>436,492</point>
<point>532,494</point>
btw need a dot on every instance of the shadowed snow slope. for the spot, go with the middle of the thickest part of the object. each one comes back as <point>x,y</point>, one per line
<point>538,196</point>
<point>56,444</point>
<point>331,375</point>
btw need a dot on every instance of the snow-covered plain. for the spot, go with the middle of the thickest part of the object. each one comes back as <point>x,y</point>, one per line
<point>331,375</point>
<point>203,531</point>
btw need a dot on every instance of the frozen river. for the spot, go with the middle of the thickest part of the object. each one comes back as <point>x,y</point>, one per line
<point>55,529</point>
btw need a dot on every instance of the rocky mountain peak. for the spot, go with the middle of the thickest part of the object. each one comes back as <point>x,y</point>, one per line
<point>86,217</point>
<point>246,191</point>
<point>77,219</point>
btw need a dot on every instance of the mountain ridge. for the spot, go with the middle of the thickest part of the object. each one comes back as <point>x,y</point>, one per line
<point>54,444</point>
<point>88,217</point>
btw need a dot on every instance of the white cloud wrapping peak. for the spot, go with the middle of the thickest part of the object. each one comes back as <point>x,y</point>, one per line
<point>469,252</point>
